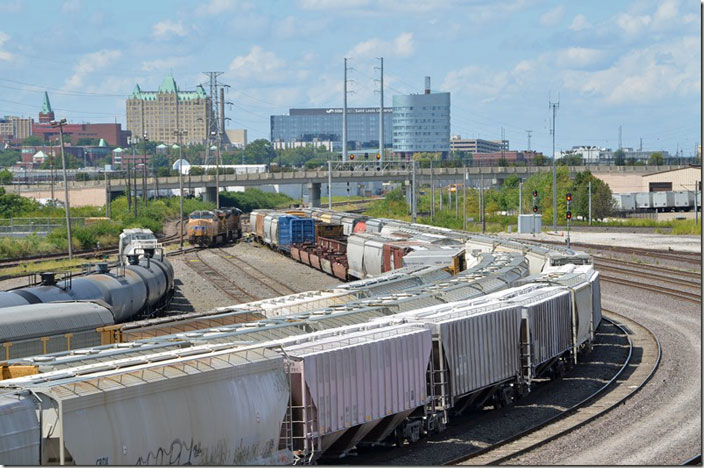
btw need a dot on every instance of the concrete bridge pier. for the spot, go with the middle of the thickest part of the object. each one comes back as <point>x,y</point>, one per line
<point>314,192</point>
<point>209,194</point>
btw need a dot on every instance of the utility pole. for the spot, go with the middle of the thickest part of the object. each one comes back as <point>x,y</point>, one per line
<point>144,169</point>
<point>381,109</point>
<point>67,207</point>
<point>128,186</point>
<point>464,205</point>
<point>619,137</point>
<point>554,106</point>
<point>344,115</point>
<point>51,173</point>
<point>432,192</point>
<point>457,200</point>
<point>329,185</point>
<point>696,193</point>
<point>590,202</point>
<point>481,202</point>
<point>520,197</point>
<point>414,199</point>
<point>179,133</point>
<point>503,147</point>
<point>529,132</point>
<point>108,201</point>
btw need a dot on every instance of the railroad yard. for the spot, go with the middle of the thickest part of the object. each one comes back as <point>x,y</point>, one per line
<point>634,399</point>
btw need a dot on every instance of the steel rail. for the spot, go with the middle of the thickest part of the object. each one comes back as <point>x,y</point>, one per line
<point>583,417</point>
<point>650,275</point>
<point>684,295</point>
<point>697,276</point>
<point>259,275</point>
<point>680,256</point>
<point>218,279</point>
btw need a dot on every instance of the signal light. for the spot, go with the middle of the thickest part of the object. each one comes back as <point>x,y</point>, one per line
<point>535,209</point>
<point>569,215</point>
<point>378,156</point>
<point>366,155</point>
<point>351,156</point>
<point>569,197</point>
<point>535,193</point>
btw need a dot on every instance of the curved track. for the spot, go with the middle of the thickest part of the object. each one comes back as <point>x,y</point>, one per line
<point>629,379</point>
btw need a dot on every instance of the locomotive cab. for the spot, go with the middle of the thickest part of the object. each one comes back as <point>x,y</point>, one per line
<point>202,227</point>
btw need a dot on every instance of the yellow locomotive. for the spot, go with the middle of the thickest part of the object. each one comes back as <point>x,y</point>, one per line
<point>213,227</point>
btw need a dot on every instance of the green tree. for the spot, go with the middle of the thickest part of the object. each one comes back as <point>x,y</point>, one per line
<point>9,158</point>
<point>540,160</point>
<point>5,177</point>
<point>571,160</point>
<point>33,140</point>
<point>655,159</point>
<point>259,152</point>
<point>194,171</point>
<point>602,201</point>
<point>619,157</point>
<point>12,205</point>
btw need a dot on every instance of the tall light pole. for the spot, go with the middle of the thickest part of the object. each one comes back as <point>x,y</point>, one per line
<point>554,106</point>
<point>67,207</point>
<point>179,133</point>
<point>217,169</point>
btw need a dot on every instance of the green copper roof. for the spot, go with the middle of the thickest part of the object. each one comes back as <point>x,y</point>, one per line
<point>46,105</point>
<point>102,143</point>
<point>168,86</point>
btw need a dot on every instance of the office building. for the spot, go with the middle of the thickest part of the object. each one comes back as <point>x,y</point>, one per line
<point>421,123</point>
<point>510,158</point>
<point>325,125</point>
<point>477,145</point>
<point>158,114</point>
<point>237,137</point>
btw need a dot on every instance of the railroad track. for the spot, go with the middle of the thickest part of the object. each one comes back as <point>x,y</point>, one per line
<point>218,279</point>
<point>691,276</point>
<point>694,258</point>
<point>676,293</point>
<point>653,273</point>
<point>255,273</point>
<point>619,388</point>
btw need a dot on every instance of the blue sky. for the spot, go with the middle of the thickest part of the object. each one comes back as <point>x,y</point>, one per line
<point>631,63</point>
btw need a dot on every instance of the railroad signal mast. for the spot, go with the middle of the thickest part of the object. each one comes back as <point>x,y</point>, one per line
<point>535,208</point>
<point>569,216</point>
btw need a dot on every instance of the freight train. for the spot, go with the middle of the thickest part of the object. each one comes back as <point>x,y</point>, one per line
<point>58,314</point>
<point>384,359</point>
<point>211,227</point>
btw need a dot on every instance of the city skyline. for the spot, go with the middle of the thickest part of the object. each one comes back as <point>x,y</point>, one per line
<point>635,64</point>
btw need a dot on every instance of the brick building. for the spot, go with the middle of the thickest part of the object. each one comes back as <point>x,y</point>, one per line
<point>112,133</point>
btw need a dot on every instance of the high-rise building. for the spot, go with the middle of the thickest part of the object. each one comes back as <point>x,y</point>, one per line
<point>325,125</point>
<point>421,123</point>
<point>160,113</point>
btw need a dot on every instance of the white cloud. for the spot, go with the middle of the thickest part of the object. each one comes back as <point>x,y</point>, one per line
<point>331,4</point>
<point>552,17</point>
<point>4,55</point>
<point>667,16</point>
<point>580,23</point>
<point>71,6</point>
<point>90,63</point>
<point>11,7</point>
<point>644,75</point>
<point>479,82</point>
<point>215,7</point>
<point>258,63</point>
<point>401,46</point>
<point>577,57</point>
<point>163,65</point>
<point>166,28</point>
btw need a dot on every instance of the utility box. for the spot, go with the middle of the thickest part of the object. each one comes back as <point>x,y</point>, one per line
<point>525,223</point>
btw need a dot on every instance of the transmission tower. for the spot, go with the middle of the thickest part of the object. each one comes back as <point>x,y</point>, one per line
<point>213,123</point>
<point>529,132</point>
